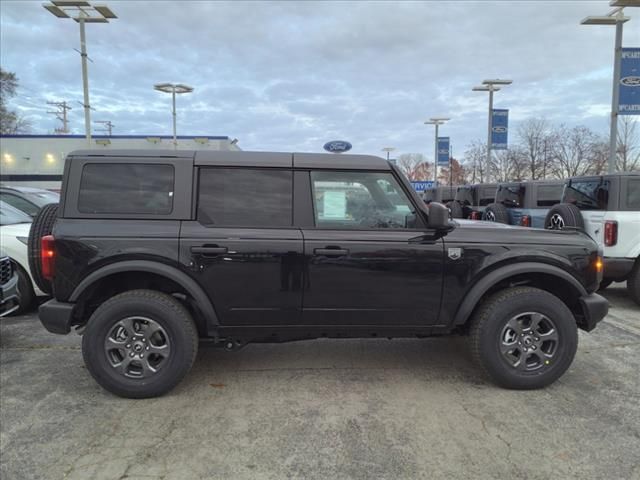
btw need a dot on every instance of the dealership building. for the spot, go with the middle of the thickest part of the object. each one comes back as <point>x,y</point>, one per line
<point>38,160</point>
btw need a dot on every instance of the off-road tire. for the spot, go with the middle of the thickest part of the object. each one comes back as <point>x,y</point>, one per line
<point>491,318</point>
<point>163,309</point>
<point>496,212</point>
<point>633,283</point>
<point>604,284</point>
<point>456,209</point>
<point>42,225</point>
<point>25,292</point>
<point>567,213</point>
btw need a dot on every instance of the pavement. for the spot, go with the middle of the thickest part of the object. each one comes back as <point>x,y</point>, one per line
<point>324,409</point>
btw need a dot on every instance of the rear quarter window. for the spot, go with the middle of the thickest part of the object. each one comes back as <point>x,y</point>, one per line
<point>549,195</point>
<point>632,200</point>
<point>126,188</point>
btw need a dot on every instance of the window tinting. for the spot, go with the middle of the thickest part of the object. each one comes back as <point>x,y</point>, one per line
<point>633,194</point>
<point>126,188</point>
<point>245,197</point>
<point>360,200</point>
<point>587,194</point>
<point>549,195</point>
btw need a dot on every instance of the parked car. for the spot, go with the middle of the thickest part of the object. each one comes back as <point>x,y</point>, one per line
<point>441,194</point>
<point>524,203</point>
<point>9,299</point>
<point>607,207</point>
<point>151,250</point>
<point>14,236</point>
<point>27,199</point>
<point>471,200</point>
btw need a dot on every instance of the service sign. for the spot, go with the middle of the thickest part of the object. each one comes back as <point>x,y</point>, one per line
<point>499,128</point>
<point>629,103</point>
<point>337,146</point>
<point>421,186</point>
<point>443,151</point>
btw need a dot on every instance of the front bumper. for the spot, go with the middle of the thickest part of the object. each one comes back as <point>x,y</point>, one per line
<point>617,269</point>
<point>9,296</point>
<point>56,316</point>
<point>594,309</point>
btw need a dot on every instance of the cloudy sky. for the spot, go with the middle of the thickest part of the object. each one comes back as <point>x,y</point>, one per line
<point>293,75</point>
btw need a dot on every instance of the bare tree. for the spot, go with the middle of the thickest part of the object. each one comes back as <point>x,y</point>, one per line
<point>474,159</point>
<point>628,147</point>
<point>533,135</point>
<point>456,175</point>
<point>10,121</point>
<point>415,166</point>
<point>574,151</point>
<point>508,165</point>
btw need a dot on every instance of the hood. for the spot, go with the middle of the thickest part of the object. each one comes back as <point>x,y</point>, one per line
<point>473,231</point>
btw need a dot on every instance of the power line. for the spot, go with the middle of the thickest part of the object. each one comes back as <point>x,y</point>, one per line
<point>61,114</point>
<point>108,126</point>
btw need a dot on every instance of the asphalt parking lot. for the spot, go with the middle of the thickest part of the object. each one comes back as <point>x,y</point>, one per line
<point>329,409</point>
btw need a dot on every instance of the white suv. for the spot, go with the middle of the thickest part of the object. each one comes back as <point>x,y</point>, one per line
<point>607,207</point>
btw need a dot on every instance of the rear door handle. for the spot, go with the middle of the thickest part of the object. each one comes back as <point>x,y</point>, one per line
<point>209,250</point>
<point>331,252</point>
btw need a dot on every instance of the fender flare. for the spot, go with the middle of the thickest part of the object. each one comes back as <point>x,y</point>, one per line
<point>172,273</point>
<point>475,294</point>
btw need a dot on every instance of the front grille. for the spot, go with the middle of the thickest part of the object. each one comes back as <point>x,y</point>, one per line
<point>6,270</point>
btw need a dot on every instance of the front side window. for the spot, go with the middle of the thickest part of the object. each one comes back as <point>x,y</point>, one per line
<point>587,194</point>
<point>245,197</point>
<point>360,200</point>
<point>126,188</point>
<point>549,195</point>
<point>633,194</point>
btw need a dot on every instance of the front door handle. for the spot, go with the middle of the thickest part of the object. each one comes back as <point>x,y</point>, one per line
<point>209,250</point>
<point>331,252</point>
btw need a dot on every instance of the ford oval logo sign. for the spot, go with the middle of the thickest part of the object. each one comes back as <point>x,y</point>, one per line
<point>499,129</point>
<point>337,146</point>
<point>631,81</point>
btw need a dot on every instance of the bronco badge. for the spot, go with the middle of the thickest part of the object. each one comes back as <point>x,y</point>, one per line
<point>455,253</point>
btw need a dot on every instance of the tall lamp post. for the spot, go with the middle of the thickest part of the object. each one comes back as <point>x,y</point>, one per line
<point>82,12</point>
<point>388,150</point>
<point>490,86</point>
<point>614,17</point>
<point>437,121</point>
<point>173,89</point>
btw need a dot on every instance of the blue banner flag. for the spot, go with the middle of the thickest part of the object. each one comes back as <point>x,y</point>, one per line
<point>629,103</point>
<point>443,151</point>
<point>499,128</point>
<point>421,186</point>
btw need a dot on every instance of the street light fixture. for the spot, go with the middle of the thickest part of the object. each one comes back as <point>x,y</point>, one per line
<point>388,150</point>
<point>437,121</point>
<point>82,12</point>
<point>173,89</point>
<point>490,86</point>
<point>617,18</point>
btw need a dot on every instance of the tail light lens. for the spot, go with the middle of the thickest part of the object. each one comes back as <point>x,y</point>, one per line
<point>475,215</point>
<point>47,256</point>
<point>610,233</point>
<point>525,221</point>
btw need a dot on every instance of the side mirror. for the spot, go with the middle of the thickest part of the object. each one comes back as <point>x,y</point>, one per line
<point>438,216</point>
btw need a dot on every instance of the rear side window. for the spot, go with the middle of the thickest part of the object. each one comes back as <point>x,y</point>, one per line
<point>549,195</point>
<point>510,196</point>
<point>487,196</point>
<point>245,197</point>
<point>126,188</point>
<point>633,194</point>
<point>587,194</point>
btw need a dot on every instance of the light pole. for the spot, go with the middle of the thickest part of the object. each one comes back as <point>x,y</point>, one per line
<point>173,89</point>
<point>437,121</point>
<point>82,12</point>
<point>388,150</point>
<point>490,86</point>
<point>614,17</point>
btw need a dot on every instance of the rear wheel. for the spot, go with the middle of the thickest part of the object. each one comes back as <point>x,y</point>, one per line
<point>25,290</point>
<point>604,284</point>
<point>524,338</point>
<point>496,212</point>
<point>564,215</point>
<point>42,225</point>
<point>140,344</point>
<point>633,283</point>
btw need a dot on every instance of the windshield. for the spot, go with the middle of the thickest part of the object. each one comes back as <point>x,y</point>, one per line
<point>42,198</point>
<point>12,216</point>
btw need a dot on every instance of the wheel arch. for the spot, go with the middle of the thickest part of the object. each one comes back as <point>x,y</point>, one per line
<point>110,279</point>
<point>541,275</point>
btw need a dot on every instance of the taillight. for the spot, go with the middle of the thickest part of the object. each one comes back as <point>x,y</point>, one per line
<point>525,221</point>
<point>475,215</point>
<point>610,233</point>
<point>47,256</point>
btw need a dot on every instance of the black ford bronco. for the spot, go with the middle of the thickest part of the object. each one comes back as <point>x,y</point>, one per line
<point>151,251</point>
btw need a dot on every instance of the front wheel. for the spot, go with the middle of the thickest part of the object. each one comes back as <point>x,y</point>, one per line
<point>140,344</point>
<point>524,338</point>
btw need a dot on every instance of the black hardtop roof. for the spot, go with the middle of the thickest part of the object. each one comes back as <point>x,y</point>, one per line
<point>251,159</point>
<point>604,175</point>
